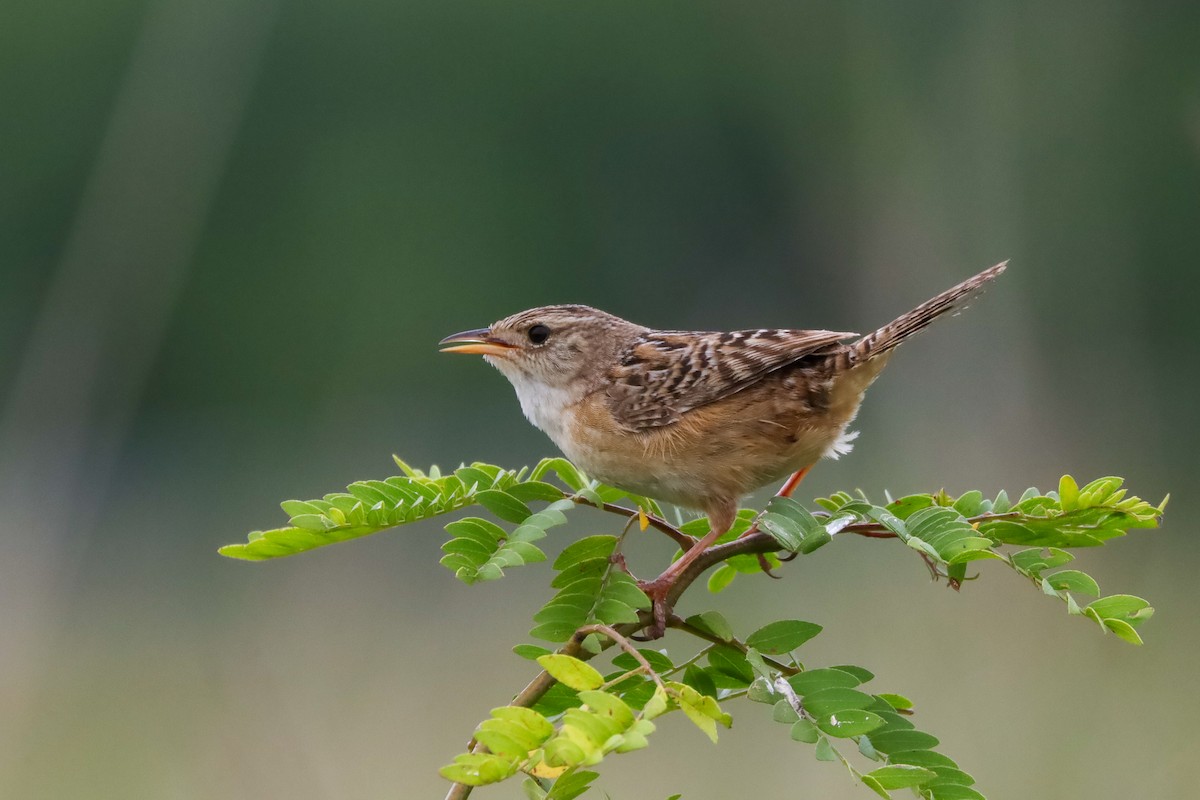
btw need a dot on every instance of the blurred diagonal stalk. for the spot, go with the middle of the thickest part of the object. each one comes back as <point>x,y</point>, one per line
<point>98,332</point>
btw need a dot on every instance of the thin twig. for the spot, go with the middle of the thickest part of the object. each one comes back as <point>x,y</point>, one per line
<point>625,645</point>
<point>621,678</point>
<point>875,530</point>
<point>658,523</point>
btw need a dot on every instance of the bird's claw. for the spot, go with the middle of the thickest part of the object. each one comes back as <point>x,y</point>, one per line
<point>765,566</point>
<point>660,608</point>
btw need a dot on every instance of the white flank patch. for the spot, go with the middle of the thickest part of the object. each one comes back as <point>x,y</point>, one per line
<point>843,444</point>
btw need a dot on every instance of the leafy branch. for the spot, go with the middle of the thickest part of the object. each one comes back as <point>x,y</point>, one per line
<point>571,716</point>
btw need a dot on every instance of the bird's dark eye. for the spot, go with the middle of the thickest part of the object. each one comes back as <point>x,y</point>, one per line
<point>539,334</point>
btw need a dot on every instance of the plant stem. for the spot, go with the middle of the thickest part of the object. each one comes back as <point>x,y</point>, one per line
<point>625,645</point>
<point>658,523</point>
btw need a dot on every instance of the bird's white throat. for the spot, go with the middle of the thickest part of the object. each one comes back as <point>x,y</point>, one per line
<point>544,405</point>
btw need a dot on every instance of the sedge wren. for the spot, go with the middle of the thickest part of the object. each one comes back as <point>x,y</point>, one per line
<point>695,418</point>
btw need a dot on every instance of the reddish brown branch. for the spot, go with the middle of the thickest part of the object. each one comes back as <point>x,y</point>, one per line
<point>680,538</point>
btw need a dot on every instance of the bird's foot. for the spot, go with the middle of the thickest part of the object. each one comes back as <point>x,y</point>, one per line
<point>765,566</point>
<point>936,573</point>
<point>660,589</point>
<point>660,607</point>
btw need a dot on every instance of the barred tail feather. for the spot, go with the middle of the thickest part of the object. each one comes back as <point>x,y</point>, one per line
<point>889,336</point>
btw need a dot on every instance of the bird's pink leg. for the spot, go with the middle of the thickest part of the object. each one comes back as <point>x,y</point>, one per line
<point>658,589</point>
<point>786,490</point>
<point>722,511</point>
<point>790,485</point>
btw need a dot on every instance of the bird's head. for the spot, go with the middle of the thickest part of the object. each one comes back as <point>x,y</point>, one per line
<point>551,346</point>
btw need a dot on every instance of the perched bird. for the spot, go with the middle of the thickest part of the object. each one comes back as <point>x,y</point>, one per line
<point>695,418</point>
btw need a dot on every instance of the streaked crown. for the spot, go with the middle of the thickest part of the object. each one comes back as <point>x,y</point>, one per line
<point>552,345</point>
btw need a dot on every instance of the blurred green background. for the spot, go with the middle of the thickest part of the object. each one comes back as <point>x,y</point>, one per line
<point>232,232</point>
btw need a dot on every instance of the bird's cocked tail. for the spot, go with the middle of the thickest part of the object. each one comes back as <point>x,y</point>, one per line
<point>889,336</point>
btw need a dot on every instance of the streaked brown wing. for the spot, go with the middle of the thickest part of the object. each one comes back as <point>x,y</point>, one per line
<point>665,374</point>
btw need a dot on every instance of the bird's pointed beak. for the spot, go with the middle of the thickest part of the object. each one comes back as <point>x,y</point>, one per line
<point>479,342</point>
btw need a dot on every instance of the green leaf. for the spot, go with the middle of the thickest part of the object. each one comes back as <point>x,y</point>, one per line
<point>614,612</point>
<point>504,505</point>
<point>528,491</point>
<point>530,651</point>
<point>896,701</point>
<point>622,588</point>
<point>829,701</point>
<point>371,506</point>
<point>557,699</point>
<point>792,526</point>
<point>571,672</point>
<point>894,741</point>
<point>904,507</point>
<point>783,636</point>
<point>589,547</point>
<point>1035,559</point>
<point>609,706</point>
<point>712,622</point>
<point>825,751</point>
<point>922,758</point>
<point>944,533</point>
<point>814,680</point>
<point>760,666</point>
<point>784,712</point>
<point>501,744</point>
<point>1123,630</point>
<point>949,776</point>
<point>953,792</point>
<point>760,692</point>
<point>554,631</point>
<point>582,577</point>
<point>659,662</point>
<point>656,706</point>
<point>900,776</point>
<point>804,731</point>
<point>527,718</point>
<point>567,472</point>
<point>571,785</point>
<point>874,786</point>
<point>720,578</point>
<point>851,722</point>
<point>532,790</point>
<point>895,722</point>
<point>1121,614</point>
<point>1068,493</point>
<point>730,661</point>
<point>297,508</point>
<point>863,675</point>
<point>1121,606</point>
<point>478,769</point>
<point>700,679</point>
<point>867,749</point>
<point>262,545</point>
<point>1073,580</point>
<point>970,504</point>
<point>702,710</point>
